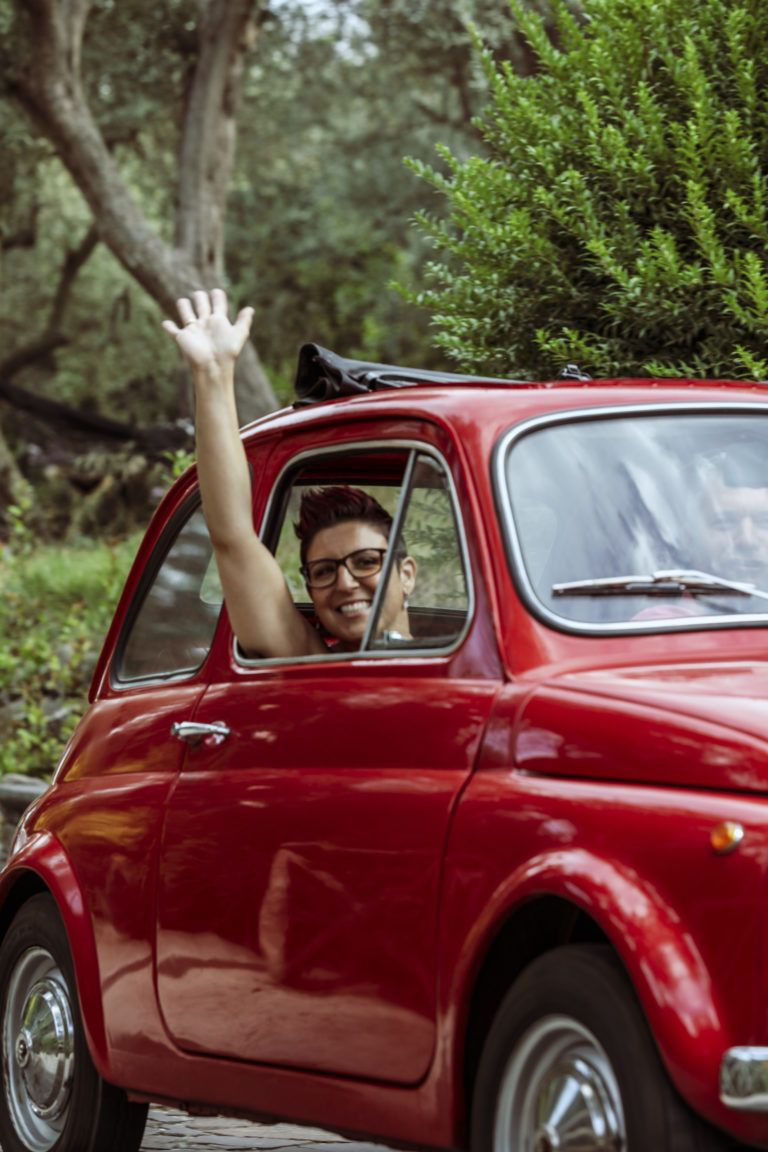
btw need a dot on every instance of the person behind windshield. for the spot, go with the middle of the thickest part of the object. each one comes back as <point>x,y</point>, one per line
<point>736,514</point>
<point>344,533</point>
<point>729,525</point>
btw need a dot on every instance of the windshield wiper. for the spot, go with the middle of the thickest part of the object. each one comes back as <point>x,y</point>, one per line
<point>666,583</point>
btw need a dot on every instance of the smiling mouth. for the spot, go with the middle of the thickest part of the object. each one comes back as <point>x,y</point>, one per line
<point>354,607</point>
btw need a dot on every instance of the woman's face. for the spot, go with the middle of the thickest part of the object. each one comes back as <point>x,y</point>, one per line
<point>345,607</point>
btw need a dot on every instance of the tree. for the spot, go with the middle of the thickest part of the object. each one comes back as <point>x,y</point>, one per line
<point>619,215</point>
<point>319,210</point>
<point>58,62</point>
<point>335,98</point>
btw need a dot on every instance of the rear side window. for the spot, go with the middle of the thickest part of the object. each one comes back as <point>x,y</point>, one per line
<point>171,627</point>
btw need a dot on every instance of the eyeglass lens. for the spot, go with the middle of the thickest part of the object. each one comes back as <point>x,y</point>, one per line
<point>361,563</point>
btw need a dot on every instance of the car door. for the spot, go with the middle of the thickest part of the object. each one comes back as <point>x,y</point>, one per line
<point>302,851</point>
<point>121,763</point>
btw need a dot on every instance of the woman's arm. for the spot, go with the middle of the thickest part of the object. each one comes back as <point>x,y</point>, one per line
<point>261,611</point>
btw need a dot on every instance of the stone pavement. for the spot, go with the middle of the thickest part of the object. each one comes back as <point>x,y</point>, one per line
<point>171,1131</point>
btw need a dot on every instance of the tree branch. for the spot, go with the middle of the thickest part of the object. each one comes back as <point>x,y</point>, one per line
<point>155,439</point>
<point>42,346</point>
<point>31,353</point>
<point>50,89</point>
<point>73,262</point>
<point>74,16</point>
<point>24,238</point>
<point>52,94</point>
<point>64,415</point>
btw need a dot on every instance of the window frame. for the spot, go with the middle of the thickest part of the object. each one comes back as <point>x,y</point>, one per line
<point>514,552</point>
<point>273,519</point>
<point>171,531</point>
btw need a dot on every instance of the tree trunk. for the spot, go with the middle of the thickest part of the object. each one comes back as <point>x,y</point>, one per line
<point>49,87</point>
<point>206,156</point>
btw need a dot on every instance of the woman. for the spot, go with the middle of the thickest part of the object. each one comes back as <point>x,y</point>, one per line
<point>343,542</point>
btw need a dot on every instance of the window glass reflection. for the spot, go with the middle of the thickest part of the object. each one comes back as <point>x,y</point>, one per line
<point>660,498</point>
<point>174,626</point>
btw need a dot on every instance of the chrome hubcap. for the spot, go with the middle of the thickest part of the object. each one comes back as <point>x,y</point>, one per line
<point>559,1093</point>
<point>38,1049</point>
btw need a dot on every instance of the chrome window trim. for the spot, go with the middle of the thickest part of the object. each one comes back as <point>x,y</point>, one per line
<point>400,654</point>
<point>515,563</point>
<point>169,534</point>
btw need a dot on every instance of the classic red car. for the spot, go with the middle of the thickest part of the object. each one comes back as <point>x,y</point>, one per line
<point>499,883</point>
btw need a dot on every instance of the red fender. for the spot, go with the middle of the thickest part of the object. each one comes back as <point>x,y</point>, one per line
<point>43,856</point>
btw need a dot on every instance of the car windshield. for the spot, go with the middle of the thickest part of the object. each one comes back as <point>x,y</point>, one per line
<point>641,518</point>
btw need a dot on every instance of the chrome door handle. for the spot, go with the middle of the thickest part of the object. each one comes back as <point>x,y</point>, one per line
<point>192,733</point>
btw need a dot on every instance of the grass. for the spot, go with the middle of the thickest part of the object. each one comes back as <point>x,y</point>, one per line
<point>56,603</point>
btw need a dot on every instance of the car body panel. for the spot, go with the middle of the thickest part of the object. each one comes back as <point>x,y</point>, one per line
<point>693,952</point>
<point>696,725</point>
<point>288,852</point>
<point>101,822</point>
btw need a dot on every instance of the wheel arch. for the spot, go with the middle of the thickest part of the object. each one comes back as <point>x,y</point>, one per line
<point>43,867</point>
<point>534,927</point>
<point>589,900</point>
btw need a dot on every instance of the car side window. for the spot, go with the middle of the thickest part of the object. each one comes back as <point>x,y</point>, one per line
<point>438,607</point>
<point>415,488</point>
<point>171,627</point>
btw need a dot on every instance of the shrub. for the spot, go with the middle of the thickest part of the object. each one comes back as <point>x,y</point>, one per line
<point>55,607</point>
<point>619,214</point>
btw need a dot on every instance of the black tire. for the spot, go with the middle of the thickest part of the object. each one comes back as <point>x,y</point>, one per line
<point>55,1102</point>
<point>570,1063</point>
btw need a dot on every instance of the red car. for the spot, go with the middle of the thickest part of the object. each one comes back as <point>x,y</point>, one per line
<point>498,884</point>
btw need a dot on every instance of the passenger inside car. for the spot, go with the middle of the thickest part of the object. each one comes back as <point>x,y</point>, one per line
<point>735,507</point>
<point>344,533</point>
<point>729,527</point>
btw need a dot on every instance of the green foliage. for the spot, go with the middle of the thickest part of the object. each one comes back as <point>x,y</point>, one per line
<point>115,359</point>
<point>178,462</point>
<point>55,608</point>
<point>20,536</point>
<point>619,215</point>
<point>431,537</point>
<point>318,220</point>
<point>334,94</point>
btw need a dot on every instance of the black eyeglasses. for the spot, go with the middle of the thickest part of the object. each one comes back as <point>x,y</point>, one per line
<point>361,563</point>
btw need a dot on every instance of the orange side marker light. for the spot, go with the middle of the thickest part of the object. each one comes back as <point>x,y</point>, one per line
<point>726,836</point>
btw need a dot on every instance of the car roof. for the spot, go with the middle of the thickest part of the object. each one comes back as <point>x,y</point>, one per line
<point>332,388</point>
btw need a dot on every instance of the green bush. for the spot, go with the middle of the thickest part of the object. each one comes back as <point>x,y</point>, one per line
<point>619,215</point>
<point>55,607</point>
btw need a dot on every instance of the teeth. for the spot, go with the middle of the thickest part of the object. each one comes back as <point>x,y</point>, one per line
<point>356,606</point>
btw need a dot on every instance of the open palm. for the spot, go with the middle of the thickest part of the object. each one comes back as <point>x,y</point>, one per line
<point>206,334</point>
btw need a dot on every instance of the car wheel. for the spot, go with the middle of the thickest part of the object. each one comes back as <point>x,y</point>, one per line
<point>53,1099</point>
<point>569,1064</point>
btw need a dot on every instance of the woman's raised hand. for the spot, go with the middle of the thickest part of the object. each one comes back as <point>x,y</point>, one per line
<point>205,334</point>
